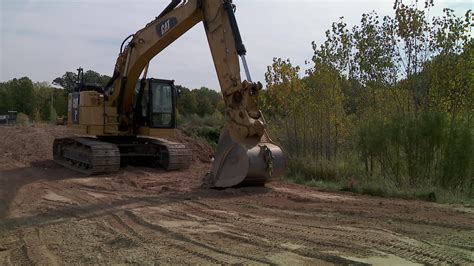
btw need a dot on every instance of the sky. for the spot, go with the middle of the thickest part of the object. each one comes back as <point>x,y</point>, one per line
<point>42,39</point>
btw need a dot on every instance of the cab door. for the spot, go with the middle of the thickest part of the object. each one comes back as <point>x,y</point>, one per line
<point>162,104</point>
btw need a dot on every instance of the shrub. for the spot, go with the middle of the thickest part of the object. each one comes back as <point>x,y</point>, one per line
<point>207,127</point>
<point>22,119</point>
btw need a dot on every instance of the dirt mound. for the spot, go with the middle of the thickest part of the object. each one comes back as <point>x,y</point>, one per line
<point>200,148</point>
<point>30,144</point>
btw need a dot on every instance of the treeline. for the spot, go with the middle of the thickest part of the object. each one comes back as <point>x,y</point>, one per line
<point>388,102</point>
<point>201,102</point>
<point>38,100</point>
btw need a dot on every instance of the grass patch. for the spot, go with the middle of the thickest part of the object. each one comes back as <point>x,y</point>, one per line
<point>431,194</point>
<point>338,176</point>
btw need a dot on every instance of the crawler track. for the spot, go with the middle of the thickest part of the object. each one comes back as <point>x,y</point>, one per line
<point>173,155</point>
<point>104,155</point>
<point>87,155</point>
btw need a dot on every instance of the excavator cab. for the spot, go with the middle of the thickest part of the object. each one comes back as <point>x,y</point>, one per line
<point>162,104</point>
<point>155,104</point>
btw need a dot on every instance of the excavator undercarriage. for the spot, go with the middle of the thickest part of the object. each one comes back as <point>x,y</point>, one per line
<point>105,154</point>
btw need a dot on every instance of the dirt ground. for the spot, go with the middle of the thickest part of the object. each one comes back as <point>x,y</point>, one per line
<point>51,215</point>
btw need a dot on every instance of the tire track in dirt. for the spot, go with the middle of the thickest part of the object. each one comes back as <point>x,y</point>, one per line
<point>19,255</point>
<point>386,242</point>
<point>151,236</point>
<point>84,205</point>
<point>459,240</point>
<point>417,250</point>
<point>26,247</point>
<point>70,192</point>
<point>73,204</point>
<point>273,240</point>
<point>120,225</point>
<point>373,239</point>
<point>11,249</point>
<point>181,239</point>
<point>432,250</point>
<point>33,249</point>
<point>126,223</point>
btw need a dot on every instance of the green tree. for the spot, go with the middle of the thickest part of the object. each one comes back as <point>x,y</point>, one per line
<point>206,101</point>
<point>60,102</point>
<point>21,95</point>
<point>5,98</point>
<point>186,102</point>
<point>69,80</point>
<point>49,102</point>
<point>96,78</point>
<point>282,102</point>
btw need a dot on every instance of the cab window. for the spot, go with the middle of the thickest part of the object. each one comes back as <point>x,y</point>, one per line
<point>161,111</point>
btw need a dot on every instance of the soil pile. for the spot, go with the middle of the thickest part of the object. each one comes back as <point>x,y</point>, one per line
<point>201,150</point>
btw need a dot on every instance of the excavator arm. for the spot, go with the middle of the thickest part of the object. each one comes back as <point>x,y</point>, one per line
<point>245,152</point>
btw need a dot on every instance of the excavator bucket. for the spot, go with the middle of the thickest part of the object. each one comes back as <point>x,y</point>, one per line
<point>237,165</point>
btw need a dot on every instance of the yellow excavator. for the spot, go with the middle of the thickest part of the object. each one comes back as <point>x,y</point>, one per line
<point>129,117</point>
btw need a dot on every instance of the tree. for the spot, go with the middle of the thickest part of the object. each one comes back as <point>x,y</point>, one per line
<point>49,101</point>
<point>202,101</point>
<point>21,95</point>
<point>5,98</point>
<point>282,102</point>
<point>186,103</point>
<point>450,72</point>
<point>96,78</point>
<point>206,101</point>
<point>69,80</point>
